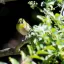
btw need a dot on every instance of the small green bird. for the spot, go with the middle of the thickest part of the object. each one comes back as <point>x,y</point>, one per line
<point>22,27</point>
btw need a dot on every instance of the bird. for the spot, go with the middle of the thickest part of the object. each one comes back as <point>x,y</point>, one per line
<point>23,27</point>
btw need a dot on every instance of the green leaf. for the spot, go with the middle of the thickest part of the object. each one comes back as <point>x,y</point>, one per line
<point>27,60</point>
<point>50,47</point>
<point>13,61</point>
<point>23,55</point>
<point>53,30</point>
<point>42,52</point>
<point>37,57</point>
<point>51,14</point>
<point>49,59</point>
<point>62,62</point>
<point>57,15</point>
<point>41,17</point>
<point>60,1</point>
<point>30,50</point>
<point>51,3</point>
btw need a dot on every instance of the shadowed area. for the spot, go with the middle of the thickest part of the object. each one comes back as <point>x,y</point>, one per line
<point>9,15</point>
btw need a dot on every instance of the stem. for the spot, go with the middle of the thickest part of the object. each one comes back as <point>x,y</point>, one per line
<point>17,49</point>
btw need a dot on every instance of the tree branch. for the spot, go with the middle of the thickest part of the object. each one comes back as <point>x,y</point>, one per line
<point>7,52</point>
<point>13,51</point>
<point>17,49</point>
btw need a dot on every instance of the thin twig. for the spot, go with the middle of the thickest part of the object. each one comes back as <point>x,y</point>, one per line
<point>7,52</point>
<point>20,45</point>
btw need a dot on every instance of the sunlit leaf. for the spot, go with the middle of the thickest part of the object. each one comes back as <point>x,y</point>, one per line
<point>49,57</point>
<point>27,60</point>
<point>13,61</point>
<point>61,54</point>
<point>60,1</point>
<point>53,30</point>
<point>42,52</point>
<point>30,49</point>
<point>37,57</point>
<point>40,17</point>
<point>23,55</point>
<point>50,47</point>
<point>57,15</point>
<point>51,3</point>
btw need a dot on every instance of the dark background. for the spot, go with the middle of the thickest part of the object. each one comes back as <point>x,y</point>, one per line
<point>9,15</point>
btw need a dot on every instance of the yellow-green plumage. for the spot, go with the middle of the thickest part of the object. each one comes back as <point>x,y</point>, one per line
<point>22,27</point>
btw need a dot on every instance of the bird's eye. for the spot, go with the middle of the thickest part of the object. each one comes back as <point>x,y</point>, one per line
<point>20,22</point>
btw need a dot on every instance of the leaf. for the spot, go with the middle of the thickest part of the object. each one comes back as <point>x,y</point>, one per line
<point>27,60</point>
<point>62,62</point>
<point>49,59</point>
<point>51,14</point>
<point>40,17</point>
<point>53,29</point>
<point>57,15</point>
<point>30,50</point>
<point>23,55</point>
<point>42,52</point>
<point>50,47</point>
<point>60,1</point>
<point>37,57</point>
<point>13,61</point>
<point>51,3</point>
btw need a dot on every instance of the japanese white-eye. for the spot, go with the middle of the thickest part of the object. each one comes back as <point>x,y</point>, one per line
<point>22,27</point>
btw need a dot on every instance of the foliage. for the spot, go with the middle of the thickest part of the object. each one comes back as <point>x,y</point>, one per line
<point>46,45</point>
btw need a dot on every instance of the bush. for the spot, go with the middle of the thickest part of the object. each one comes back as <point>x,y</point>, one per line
<point>46,43</point>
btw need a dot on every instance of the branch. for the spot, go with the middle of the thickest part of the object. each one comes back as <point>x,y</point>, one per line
<point>17,49</point>
<point>13,51</point>
<point>7,52</point>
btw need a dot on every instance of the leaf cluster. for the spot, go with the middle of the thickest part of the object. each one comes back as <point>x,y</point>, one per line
<point>47,39</point>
